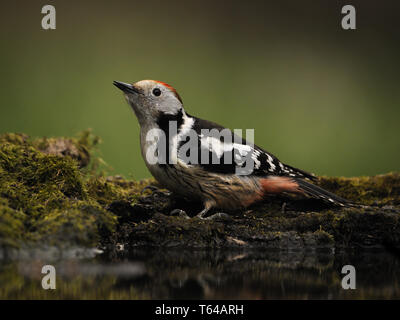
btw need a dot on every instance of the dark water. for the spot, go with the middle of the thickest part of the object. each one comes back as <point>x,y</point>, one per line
<point>200,274</point>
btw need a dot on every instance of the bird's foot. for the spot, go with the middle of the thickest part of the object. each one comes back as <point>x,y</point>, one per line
<point>219,216</point>
<point>179,213</point>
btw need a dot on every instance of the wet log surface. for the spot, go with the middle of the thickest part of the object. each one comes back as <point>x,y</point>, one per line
<point>301,225</point>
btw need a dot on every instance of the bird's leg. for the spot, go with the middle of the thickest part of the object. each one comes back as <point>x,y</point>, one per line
<point>207,206</point>
<point>201,214</point>
<point>216,216</point>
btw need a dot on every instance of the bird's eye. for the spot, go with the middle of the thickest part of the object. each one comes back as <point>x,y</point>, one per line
<point>156,92</point>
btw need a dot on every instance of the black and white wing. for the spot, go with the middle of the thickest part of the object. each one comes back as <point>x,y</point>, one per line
<point>237,153</point>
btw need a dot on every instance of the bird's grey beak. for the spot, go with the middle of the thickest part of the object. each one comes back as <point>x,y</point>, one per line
<point>126,87</point>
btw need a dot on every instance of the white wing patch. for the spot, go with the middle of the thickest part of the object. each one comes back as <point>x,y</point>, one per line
<point>240,151</point>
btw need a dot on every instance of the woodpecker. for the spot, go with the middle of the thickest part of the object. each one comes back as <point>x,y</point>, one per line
<point>216,185</point>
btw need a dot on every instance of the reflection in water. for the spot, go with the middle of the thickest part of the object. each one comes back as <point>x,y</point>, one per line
<point>203,274</point>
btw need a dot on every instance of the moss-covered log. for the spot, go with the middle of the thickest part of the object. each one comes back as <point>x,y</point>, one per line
<point>51,193</point>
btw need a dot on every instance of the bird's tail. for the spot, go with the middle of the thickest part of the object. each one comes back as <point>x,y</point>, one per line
<point>299,186</point>
<point>316,192</point>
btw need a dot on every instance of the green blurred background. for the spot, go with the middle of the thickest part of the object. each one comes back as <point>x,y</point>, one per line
<point>319,97</point>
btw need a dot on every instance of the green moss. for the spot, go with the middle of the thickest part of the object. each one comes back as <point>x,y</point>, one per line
<point>383,189</point>
<point>11,225</point>
<point>108,190</point>
<point>323,238</point>
<point>44,196</point>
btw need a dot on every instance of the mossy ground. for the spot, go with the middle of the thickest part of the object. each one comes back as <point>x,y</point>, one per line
<point>48,194</point>
<point>52,192</point>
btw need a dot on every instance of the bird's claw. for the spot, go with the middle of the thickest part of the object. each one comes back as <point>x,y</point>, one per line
<point>179,213</point>
<point>221,216</point>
